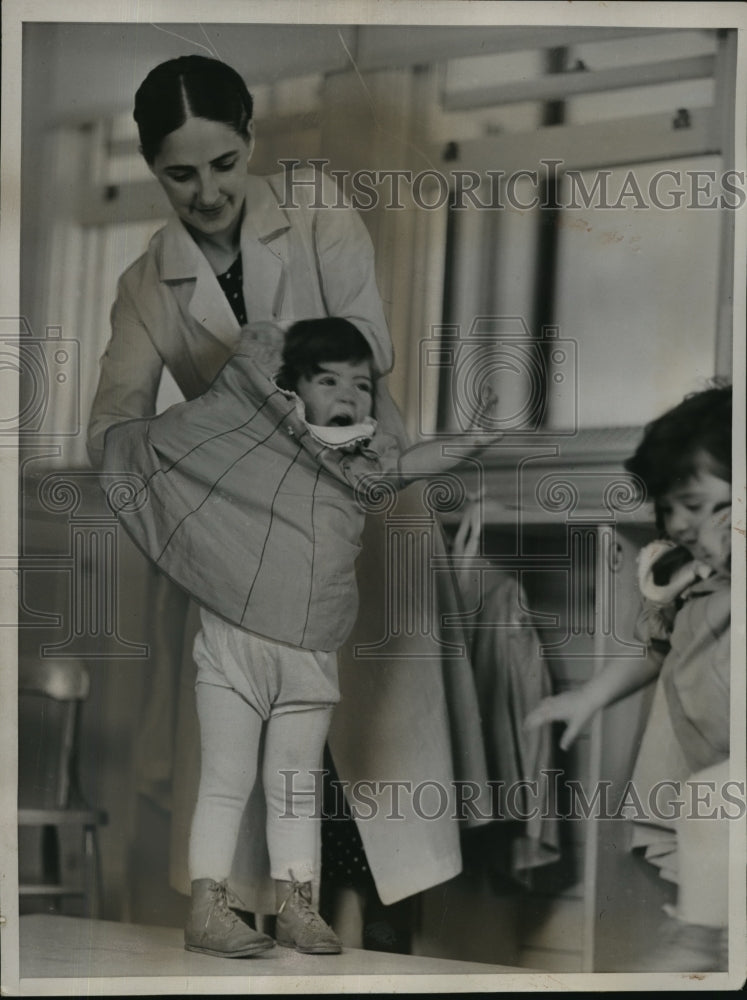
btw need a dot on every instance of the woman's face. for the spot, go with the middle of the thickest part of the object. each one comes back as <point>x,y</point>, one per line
<point>202,168</point>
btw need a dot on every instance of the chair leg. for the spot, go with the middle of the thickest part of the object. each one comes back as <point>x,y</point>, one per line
<point>50,861</point>
<point>91,873</point>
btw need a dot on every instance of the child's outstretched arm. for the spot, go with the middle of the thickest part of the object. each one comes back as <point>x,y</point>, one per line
<point>576,708</point>
<point>428,458</point>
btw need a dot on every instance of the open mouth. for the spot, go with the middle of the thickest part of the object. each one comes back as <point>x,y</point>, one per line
<point>342,420</point>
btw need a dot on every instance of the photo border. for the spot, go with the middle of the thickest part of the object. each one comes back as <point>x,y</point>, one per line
<point>457,12</point>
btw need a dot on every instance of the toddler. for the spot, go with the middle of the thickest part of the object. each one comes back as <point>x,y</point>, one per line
<point>684,461</point>
<point>251,503</point>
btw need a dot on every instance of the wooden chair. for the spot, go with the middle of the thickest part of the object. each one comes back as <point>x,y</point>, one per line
<point>52,693</point>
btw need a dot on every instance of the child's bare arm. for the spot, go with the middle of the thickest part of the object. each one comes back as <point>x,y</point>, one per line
<point>429,458</point>
<point>576,708</point>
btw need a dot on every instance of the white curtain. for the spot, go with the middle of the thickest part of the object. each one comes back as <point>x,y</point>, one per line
<point>76,269</point>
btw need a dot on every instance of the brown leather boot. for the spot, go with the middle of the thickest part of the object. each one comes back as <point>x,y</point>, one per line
<point>299,925</point>
<point>215,929</point>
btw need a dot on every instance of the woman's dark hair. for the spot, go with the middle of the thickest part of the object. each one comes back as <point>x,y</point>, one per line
<point>694,434</point>
<point>312,342</point>
<point>189,87</point>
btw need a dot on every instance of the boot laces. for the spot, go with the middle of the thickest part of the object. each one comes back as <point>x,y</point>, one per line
<point>298,899</point>
<point>220,908</point>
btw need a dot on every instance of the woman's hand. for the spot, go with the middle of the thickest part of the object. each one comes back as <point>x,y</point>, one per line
<point>575,708</point>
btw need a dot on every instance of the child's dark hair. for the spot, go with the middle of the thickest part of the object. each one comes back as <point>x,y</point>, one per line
<point>675,446</point>
<point>189,86</point>
<point>312,342</point>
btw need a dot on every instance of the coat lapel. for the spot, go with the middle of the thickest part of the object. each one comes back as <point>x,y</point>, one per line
<point>264,251</point>
<point>184,265</point>
<point>211,308</point>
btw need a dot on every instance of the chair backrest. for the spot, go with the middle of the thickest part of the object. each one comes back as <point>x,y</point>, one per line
<point>48,737</point>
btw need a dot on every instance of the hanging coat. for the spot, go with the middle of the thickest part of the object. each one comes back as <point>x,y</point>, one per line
<point>511,679</point>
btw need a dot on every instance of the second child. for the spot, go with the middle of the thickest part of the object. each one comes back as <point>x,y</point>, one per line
<point>684,462</point>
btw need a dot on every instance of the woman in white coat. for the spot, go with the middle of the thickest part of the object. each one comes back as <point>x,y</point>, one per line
<point>238,251</point>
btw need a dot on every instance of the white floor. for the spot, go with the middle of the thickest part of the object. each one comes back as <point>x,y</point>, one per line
<point>83,953</point>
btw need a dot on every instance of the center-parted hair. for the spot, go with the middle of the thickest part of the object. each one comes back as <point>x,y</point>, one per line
<point>189,87</point>
<point>311,343</point>
<point>693,436</point>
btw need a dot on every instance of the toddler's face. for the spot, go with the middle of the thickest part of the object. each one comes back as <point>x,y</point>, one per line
<point>341,393</point>
<point>696,515</point>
